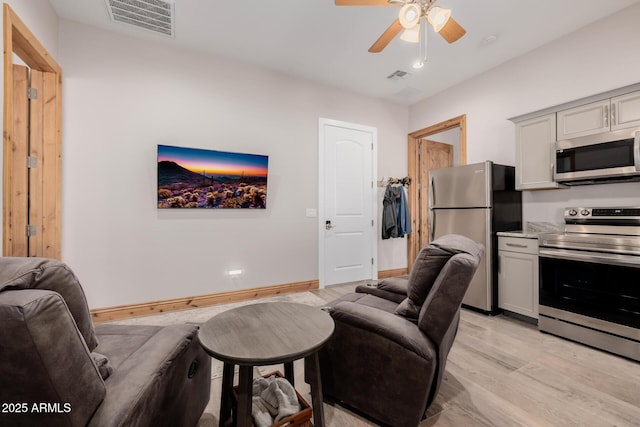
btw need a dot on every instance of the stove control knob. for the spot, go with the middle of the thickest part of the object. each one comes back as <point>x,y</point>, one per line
<point>585,212</point>
<point>573,212</point>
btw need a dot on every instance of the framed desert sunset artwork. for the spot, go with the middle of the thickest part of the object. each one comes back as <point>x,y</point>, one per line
<point>199,178</point>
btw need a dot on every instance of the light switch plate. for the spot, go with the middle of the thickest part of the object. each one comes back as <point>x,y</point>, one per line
<point>312,212</point>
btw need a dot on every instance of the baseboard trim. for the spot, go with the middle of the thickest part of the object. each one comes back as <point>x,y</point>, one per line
<point>156,307</point>
<point>165,306</point>
<point>385,274</point>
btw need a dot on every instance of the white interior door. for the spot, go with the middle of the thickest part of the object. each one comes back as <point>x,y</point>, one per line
<point>347,220</point>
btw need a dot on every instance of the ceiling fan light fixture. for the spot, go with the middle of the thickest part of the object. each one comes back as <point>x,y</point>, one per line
<point>409,15</point>
<point>443,24</point>
<point>438,17</point>
<point>452,31</point>
<point>411,35</point>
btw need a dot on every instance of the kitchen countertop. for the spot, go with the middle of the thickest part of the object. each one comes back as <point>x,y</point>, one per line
<point>533,229</point>
<point>519,233</point>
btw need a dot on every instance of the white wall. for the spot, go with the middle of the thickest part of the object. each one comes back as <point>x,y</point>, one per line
<point>123,97</point>
<point>41,19</point>
<point>597,58</point>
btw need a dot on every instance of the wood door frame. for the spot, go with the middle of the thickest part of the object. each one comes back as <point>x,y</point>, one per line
<point>20,40</point>
<point>413,243</point>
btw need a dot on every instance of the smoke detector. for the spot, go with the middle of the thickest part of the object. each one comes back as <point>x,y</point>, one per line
<point>151,15</point>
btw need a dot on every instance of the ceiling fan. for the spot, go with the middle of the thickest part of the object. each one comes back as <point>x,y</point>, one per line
<point>409,19</point>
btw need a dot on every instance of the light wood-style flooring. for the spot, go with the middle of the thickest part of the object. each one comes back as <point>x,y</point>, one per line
<point>502,371</point>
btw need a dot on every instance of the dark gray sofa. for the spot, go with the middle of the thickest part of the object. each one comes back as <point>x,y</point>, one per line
<point>57,369</point>
<point>387,355</point>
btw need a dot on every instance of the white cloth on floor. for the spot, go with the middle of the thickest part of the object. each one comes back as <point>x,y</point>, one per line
<point>273,399</point>
<point>261,414</point>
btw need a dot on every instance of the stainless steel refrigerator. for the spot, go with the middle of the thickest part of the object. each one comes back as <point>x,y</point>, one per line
<point>476,201</point>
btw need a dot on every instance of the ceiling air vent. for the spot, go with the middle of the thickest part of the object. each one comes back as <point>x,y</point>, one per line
<point>150,15</point>
<point>398,75</point>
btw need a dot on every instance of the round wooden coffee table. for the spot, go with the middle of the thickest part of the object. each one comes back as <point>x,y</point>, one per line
<point>266,334</point>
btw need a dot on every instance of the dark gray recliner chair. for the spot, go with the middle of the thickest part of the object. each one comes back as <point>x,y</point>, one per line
<point>58,370</point>
<point>387,355</point>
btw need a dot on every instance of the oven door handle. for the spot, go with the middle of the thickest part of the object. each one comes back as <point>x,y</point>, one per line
<point>596,257</point>
<point>636,151</point>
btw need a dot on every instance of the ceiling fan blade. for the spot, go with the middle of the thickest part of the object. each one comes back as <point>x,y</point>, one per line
<point>364,3</point>
<point>386,37</point>
<point>452,31</point>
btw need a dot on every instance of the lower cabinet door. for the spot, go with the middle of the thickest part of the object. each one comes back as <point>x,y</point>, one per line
<point>518,283</point>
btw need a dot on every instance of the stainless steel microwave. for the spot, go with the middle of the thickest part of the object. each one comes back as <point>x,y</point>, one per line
<point>605,157</point>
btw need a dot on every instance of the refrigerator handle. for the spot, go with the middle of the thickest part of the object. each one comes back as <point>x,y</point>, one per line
<point>432,193</point>
<point>432,218</point>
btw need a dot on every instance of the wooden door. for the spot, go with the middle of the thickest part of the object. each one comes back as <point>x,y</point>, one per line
<point>17,240</point>
<point>32,207</point>
<point>42,198</point>
<point>32,145</point>
<point>432,155</point>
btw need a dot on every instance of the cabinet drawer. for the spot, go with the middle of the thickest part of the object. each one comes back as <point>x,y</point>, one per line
<point>518,244</point>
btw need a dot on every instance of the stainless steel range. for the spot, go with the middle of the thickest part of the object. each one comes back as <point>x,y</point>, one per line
<point>590,279</point>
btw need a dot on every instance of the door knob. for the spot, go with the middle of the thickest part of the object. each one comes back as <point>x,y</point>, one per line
<point>327,225</point>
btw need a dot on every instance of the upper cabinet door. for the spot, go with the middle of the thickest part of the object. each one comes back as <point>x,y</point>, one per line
<point>585,120</point>
<point>535,153</point>
<point>625,111</point>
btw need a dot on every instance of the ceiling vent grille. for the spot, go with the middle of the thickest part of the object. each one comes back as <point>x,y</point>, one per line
<point>150,15</point>
<point>398,75</point>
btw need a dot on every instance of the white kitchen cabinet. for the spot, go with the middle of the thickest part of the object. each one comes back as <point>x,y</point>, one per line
<point>535,153</point>
<point>616,113</point>
<point>518,286</point>
<point>537,132</point>
<point>584,120</point>
<point>625,111</point>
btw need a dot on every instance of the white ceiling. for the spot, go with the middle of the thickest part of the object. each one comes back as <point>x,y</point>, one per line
<point>318,41</point>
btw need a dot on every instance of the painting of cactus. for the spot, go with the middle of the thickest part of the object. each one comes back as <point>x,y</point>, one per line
<point>199,178</point>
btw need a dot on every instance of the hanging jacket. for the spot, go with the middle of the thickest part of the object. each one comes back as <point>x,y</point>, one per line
<point>390,212</point>
<point>404,219</point>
